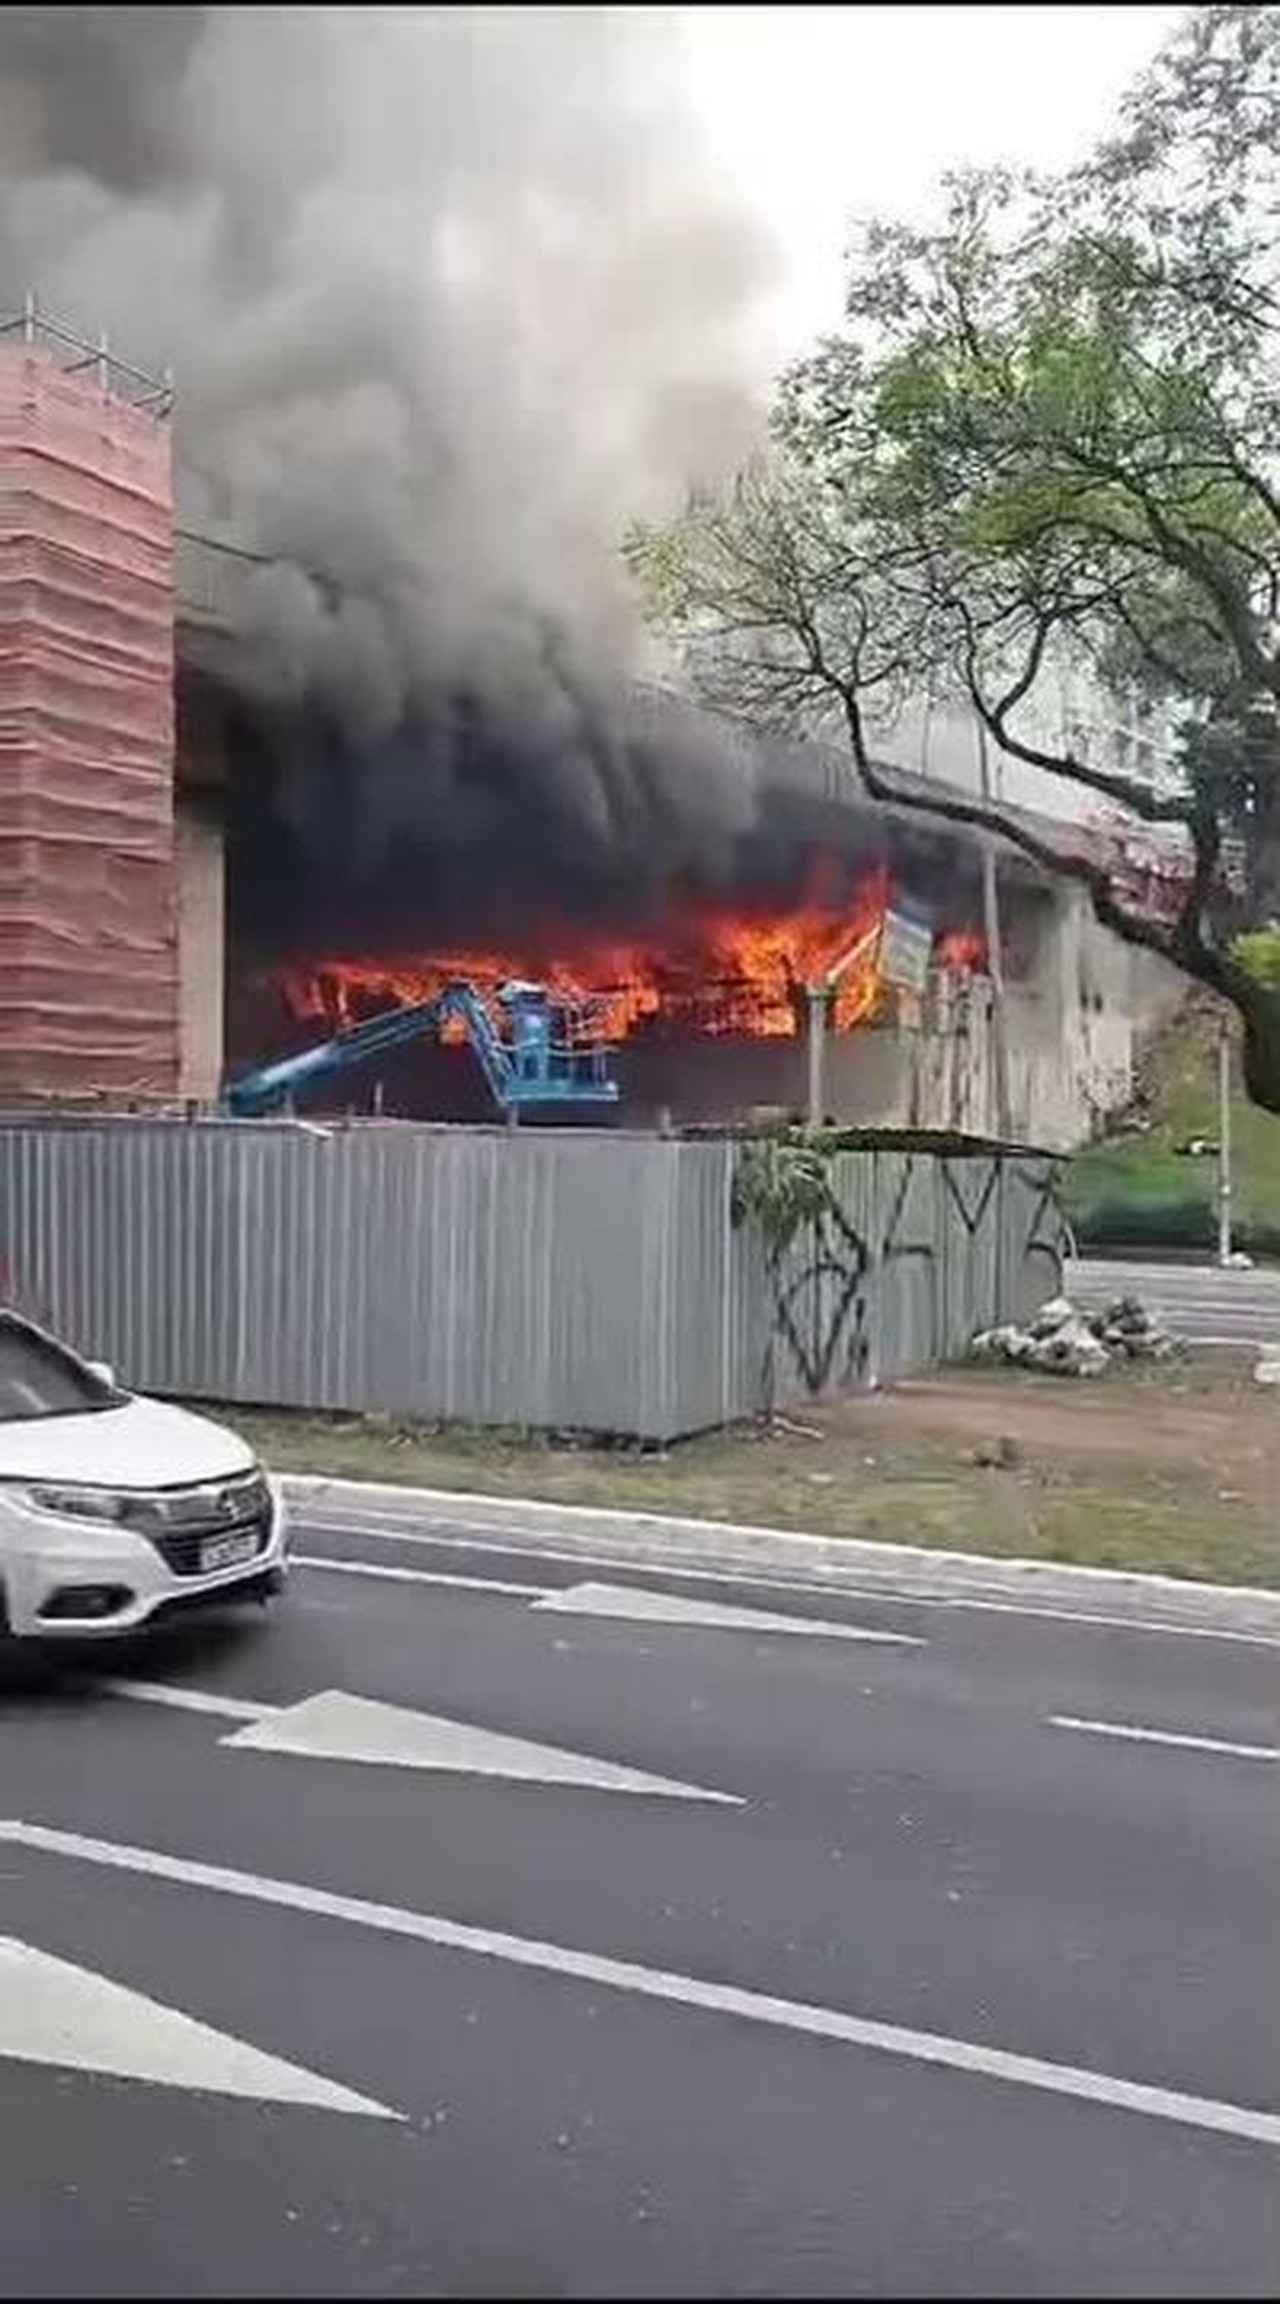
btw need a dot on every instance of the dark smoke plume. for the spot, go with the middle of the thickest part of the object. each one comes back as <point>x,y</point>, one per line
<point>471,828</point>
<point>449,296</point>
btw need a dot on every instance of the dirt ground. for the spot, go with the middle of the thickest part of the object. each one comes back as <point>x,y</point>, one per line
<point>1195,1422</point>
<point>1175,1469</point>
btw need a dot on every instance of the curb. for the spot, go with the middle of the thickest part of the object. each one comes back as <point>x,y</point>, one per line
<point>888,1571</point>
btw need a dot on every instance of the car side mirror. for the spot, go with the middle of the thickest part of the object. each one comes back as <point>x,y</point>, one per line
<point>103,1370</point>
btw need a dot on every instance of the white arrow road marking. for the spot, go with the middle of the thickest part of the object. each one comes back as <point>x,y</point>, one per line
<point>54,2013</point>
<point>389,1575</point>
<point>1201,2112</point>
<point>181,1699</point>
<point>336,1726</point>
<point>640,1607</point>
<point>445,1536</point>
<point>626,1601</point>
<point>1132,1735</point>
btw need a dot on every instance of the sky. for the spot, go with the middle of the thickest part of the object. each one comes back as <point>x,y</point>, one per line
<point>819,114</point>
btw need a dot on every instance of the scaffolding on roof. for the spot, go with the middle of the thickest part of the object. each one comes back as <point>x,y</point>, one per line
<point>119,379</point>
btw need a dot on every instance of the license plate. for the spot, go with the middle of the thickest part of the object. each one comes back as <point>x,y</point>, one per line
<point>228,1551</point>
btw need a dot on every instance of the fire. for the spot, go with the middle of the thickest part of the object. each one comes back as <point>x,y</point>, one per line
<point>962,950</point>
<point>711,970</point>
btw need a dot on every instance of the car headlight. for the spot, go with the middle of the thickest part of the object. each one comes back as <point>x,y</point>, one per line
<point>80,1503</point>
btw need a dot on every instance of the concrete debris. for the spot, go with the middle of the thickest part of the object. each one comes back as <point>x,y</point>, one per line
<point>1129,1331</point>
<point>1063,1341</point>
<point>1267,1370</point>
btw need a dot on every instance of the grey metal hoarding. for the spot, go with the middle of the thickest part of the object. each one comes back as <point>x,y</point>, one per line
<point>549,1280</point>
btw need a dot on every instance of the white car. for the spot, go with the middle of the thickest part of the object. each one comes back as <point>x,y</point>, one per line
<point>118,1512</point>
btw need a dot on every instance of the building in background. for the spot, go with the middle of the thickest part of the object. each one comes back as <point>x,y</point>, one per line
<point>88,873</point>
<point>125,959</point>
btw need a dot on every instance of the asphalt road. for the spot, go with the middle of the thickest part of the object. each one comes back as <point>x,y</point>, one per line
<point>591,1938</point>
<point>1198,1302</point>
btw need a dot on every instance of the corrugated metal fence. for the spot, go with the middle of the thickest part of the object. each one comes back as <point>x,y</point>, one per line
<point>548,1280</point>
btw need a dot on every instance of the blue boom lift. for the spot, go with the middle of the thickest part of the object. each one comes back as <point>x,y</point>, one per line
<point>548,1055</point>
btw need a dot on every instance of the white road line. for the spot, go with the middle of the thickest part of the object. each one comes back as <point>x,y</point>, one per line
<point>1133,1735</point>
<point>679,1571</point>
<point>184,1699</point>
<point>621,1603</point>
<point>625,1603</point>
<point>1239,2120</point>
<point>391,1575</point>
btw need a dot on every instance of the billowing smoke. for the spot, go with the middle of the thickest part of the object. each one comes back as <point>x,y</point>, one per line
<point>449,296</point>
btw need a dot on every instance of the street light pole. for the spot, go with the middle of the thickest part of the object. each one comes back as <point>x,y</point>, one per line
<point>1224,1143</point>
<point>995,955</point>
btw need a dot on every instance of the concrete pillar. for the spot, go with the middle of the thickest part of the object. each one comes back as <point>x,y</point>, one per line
<point>201,851</point>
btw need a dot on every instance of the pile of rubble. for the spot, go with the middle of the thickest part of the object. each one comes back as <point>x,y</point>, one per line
<point>1063,1341</point>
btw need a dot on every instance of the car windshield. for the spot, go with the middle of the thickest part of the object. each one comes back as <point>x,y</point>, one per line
<point>37,1378</point>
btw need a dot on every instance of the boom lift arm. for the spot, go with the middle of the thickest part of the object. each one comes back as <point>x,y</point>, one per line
<point>532,1067</point>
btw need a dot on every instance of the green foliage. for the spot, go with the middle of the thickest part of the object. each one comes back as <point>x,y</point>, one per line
<point>1075,426</point>
<point>1133,1220</point>
<point>1258,953</point>
<point>1138,1220</point>
<point>782,1183</point>
<point>1146,1188</point>
<point>1047,430</point>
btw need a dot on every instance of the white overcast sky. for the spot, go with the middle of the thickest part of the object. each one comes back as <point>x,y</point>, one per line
<point>819,114</point>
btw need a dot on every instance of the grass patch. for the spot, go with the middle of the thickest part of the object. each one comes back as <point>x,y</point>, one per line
<point>1143,1188</point>
<point>1171,1469</point>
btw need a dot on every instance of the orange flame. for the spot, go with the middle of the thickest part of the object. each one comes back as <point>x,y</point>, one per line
<point>711,970</point>
<point>962,950</point>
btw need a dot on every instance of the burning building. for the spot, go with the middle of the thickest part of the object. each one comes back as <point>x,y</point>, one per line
<point>720,876</point>
<point>276,877</point>
<point>701,987</point>
<point>451,304</point>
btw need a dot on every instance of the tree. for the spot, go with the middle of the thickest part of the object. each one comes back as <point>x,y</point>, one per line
<point>1049,426</point>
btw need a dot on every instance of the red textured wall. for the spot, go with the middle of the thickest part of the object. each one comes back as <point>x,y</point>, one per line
<point>88,971</point>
